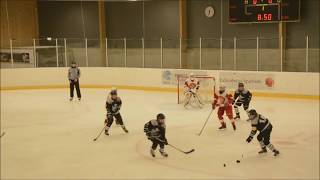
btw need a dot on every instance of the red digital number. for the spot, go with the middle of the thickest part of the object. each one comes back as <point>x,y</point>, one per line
<point>264,17</point>
<point>254,2</point>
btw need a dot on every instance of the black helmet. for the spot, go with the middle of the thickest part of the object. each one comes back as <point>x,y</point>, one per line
<point>160,116</point>
<point>114,91</point>
<point>252,114</point>
<point>73,64</point>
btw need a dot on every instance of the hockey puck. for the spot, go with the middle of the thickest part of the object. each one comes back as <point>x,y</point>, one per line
<point>224,165</point>
<point>238,161</point>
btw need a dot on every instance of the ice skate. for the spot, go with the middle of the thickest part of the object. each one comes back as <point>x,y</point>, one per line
<point>263,150</point>
<point>153,154</point>
<point>106,132</point>
<point>223,126</point>
<point>234,126</point>
<point>163,153</point>
<point>125,129</point>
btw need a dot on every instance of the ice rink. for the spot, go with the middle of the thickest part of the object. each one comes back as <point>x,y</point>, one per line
<point>49,137</point>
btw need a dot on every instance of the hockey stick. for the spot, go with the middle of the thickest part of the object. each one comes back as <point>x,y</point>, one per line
<point>100,133</point>
<point>205,123</point>
<point>197,97</point>
<point>185,152</point>
<point>2,134</point>
<point>176,148</point>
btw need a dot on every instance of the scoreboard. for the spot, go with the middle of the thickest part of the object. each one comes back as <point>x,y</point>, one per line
<point>263,11</point>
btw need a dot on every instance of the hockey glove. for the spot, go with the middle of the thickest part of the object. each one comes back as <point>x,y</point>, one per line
<point>148,134</point>
<point>165,142</point>
<point>249,139</point>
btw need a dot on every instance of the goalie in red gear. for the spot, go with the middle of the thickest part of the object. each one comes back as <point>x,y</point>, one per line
<point>223,101</point>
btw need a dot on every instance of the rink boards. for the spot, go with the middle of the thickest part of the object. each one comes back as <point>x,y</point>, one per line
<point>262,84</point>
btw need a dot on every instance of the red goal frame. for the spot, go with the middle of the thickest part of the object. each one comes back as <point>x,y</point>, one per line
<point>183,77</point>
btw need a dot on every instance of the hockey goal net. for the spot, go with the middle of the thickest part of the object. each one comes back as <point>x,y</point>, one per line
<point>205,91</point>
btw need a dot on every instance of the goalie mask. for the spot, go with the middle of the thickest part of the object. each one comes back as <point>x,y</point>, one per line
<point>191,76</point>
<point>252,114</point>
<point>222,89</point>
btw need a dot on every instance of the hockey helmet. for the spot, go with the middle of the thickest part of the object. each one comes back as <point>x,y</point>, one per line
<point>160,118</point>
<point>252,114</point>
<point>73,64</point>
<point>114,91</point>
<point>241,86</point>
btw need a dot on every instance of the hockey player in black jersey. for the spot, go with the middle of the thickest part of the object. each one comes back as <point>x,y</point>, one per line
<point>156,133</point>
<point>241,96</point>
<point>113,106</point>
<point>263,125</point>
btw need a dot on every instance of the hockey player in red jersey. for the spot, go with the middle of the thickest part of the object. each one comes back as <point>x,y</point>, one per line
<point>223,101</point>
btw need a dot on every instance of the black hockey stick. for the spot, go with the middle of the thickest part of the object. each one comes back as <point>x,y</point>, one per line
<point>176,148</point>
<point>205,123</point>
<point>100,133</point>
<point>197,97</point>
<point>185,152</point>
<point>2,134</point>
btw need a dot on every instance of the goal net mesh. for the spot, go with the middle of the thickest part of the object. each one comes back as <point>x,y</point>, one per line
<point>205,91</point>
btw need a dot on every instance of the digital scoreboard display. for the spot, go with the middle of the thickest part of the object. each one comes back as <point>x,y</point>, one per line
<point>263,11</point>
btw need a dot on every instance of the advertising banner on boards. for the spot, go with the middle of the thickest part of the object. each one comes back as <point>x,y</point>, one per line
<point>256,81</point>
<point>169,76</point>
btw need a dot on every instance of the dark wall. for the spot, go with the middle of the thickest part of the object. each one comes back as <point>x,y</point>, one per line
<point>160,18</point>
<point>124,19</point>
<point>150,19</point>
<point>308,26</point>
<point>63,19</point>
<point>198,24</point>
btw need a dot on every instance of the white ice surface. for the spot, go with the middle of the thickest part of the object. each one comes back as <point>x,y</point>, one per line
<point>49,137</point>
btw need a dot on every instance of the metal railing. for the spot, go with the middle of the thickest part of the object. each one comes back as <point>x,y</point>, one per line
<point>248,54</point>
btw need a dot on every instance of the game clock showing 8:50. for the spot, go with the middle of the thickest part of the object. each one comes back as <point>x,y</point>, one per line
<point>263,11</point>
